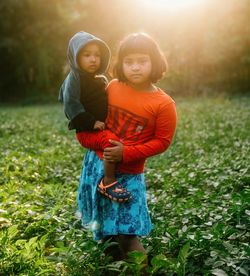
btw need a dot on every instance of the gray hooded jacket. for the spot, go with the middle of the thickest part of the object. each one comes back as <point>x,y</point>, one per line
<point>83,94</point>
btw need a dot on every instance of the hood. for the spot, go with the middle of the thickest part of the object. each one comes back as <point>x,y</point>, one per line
<point>80,40</point>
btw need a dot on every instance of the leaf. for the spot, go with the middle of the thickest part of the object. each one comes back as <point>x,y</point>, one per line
<point>59,249</point>
<point>12,231</point>
<point>219,272</point>
<point>117,265</point>
<point>4,222</point>
<point>158,260</point>
<point>243,271</point>
<point>218,264</point>
<point>136,257</point>
<point>183,254</point>
<point>32,241</point>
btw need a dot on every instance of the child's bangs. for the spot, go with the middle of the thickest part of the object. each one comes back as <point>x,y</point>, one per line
<point>135,45</point>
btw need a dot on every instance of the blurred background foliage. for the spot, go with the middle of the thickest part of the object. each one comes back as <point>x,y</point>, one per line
<point>207,44</point>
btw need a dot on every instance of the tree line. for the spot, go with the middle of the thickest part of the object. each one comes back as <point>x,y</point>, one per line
<point>207,49</point>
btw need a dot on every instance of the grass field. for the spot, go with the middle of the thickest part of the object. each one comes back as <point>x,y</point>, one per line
<point>198,195</point>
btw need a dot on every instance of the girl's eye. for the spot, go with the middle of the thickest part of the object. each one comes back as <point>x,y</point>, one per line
<point>128,62</point>
<point>142,61</point>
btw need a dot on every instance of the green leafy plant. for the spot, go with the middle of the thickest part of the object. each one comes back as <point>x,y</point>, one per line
<point>198,196</point>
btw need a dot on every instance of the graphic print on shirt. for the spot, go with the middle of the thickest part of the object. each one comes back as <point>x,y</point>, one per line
<point>131,127</point>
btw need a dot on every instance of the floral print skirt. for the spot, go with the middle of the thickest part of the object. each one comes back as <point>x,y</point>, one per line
<point>105,217</point>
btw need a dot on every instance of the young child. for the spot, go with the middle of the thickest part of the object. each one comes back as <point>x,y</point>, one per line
<point>85,103</point>
<point>144,118</point>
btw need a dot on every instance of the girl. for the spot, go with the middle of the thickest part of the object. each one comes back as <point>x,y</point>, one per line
<point>144,119</point>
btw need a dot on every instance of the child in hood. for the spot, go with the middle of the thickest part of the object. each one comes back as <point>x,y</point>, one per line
<point>85,104</point>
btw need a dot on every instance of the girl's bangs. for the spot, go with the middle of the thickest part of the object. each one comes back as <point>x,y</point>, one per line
<point>135,45</point>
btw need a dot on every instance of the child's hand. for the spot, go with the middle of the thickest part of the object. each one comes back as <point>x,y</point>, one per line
<point>115,153</point>
<point>99,125</point>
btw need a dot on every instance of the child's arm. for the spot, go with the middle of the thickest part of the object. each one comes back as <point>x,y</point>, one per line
<point>73,108</point>
<point>164,132</point>
<point>69,95</point>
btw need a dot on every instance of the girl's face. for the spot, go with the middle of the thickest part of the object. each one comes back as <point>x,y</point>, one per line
<point>89,58</point>
<point>137,69</point>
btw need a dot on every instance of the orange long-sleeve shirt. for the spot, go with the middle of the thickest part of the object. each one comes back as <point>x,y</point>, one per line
<point>145,122</point>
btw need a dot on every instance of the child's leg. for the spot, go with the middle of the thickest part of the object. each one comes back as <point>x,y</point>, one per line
<point>99,141</point>
<point>108,186</point>
<point>96,140</point>
<point>109,172</point>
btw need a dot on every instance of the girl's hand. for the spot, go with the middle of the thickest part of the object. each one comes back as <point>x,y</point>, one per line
<point>113,154</point>
<point>99,125</point>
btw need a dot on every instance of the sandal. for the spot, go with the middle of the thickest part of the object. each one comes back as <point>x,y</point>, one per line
<point>114,191</point>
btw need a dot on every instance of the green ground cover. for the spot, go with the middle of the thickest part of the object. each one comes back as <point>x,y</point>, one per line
<point>198,195</point>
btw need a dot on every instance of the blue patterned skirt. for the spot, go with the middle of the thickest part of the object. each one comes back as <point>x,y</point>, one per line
<point>105,217</point>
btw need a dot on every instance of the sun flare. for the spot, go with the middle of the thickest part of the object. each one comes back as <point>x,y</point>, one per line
<point>174,4</point>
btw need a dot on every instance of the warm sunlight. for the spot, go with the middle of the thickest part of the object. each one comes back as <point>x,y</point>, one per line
<point>174,4</point>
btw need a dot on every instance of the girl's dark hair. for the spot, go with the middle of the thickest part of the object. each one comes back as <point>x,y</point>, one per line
<point>140,43</point>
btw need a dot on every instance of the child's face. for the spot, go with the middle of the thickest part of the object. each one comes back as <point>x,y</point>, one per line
<point>89,58</point>
<point>137,68</point>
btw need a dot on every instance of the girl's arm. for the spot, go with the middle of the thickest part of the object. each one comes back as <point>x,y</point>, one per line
<point>164,132</point>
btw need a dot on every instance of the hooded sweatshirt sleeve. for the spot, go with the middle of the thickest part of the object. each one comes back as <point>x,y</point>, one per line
<point>73,108</point>
<point>70,96</point>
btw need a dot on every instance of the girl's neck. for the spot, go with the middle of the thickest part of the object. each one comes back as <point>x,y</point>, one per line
<point>145,87</point>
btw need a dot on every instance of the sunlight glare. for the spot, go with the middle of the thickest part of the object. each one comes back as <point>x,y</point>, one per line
<point>173,4</point>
